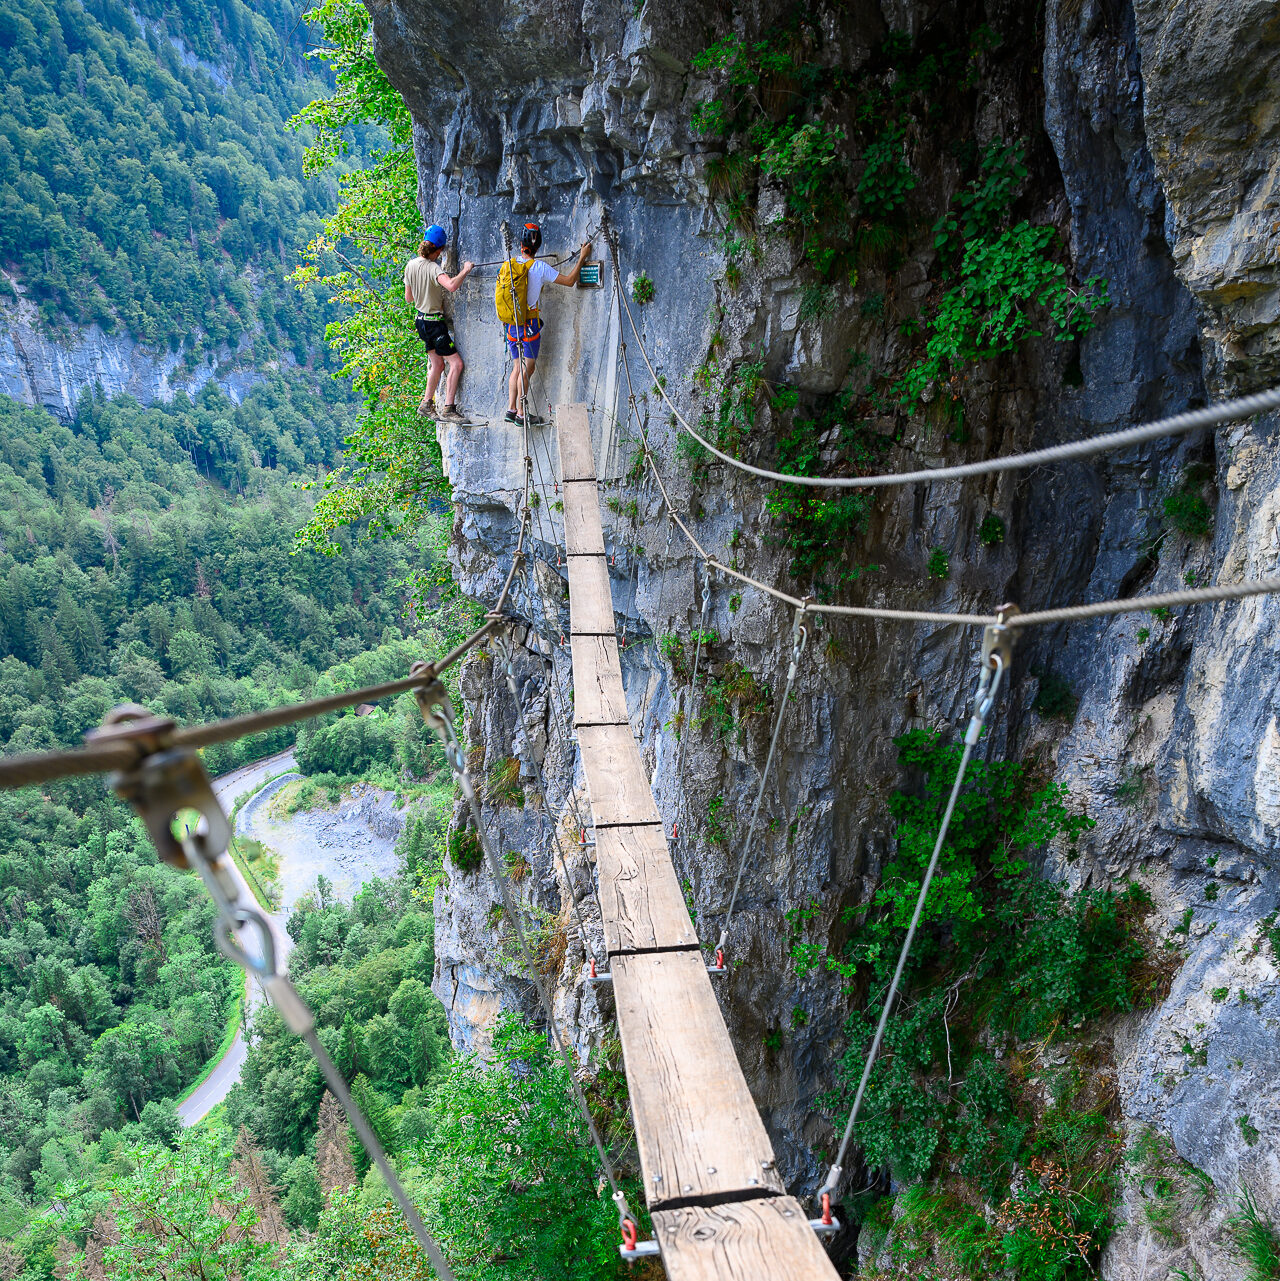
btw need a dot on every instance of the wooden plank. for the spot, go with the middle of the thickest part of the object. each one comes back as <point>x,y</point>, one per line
<point>583,533</point>
<point>573,430</point>
<point>640,898</point>
<point>615,776</point>
<point>741,1242</point>
<point>590,597</point>
<point>697,1129</point>
<point>598,696</point>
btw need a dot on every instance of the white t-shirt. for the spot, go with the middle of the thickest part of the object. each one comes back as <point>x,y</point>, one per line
<point>541,273</point>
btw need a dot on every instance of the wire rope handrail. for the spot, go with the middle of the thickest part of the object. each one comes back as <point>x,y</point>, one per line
<point>1176,424</point>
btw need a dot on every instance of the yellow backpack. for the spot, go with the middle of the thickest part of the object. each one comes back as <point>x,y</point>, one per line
<point>514,277</point>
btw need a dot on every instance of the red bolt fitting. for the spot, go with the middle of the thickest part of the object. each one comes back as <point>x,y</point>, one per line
<point>628,1235</point>
<point>826,1207</point>
<point>719,958</point>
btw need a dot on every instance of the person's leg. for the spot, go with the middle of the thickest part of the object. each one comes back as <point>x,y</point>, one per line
<point>456,367</point>
<point>529,363</point>
<point>436,362</point>
<point>513,386</point>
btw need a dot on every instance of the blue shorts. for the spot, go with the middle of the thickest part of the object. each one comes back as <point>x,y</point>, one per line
<point>527,336</point>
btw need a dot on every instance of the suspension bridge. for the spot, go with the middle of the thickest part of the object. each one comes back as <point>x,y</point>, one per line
<point>719,1205</point>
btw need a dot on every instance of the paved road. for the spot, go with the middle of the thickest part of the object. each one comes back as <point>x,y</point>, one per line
<point>217,1085</point>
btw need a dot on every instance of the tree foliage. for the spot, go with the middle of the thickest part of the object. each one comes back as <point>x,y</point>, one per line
<point>146,179</point>
<point>392,468</point>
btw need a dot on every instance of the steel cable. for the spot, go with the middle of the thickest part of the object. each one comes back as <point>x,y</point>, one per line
<point>438,713</point>
<point>983,702</point>
<point>799,641</point>
<point>1177,424</point>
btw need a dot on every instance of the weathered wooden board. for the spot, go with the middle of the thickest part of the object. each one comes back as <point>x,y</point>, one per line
<point>745,1241</point>
<point>573,430</point>
<point>615,774</point>
<point>583,533</point>
<point>697,1130</point>
<point>598,696</point>
<point>640,896</point>
<point>590,597</point>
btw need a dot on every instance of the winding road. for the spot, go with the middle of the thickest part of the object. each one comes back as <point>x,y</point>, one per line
<point>217,1085</point>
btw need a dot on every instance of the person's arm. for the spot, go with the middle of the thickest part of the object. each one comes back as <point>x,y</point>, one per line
<point>451,283</point>
<point>570,277</point>
<point>408,294</point>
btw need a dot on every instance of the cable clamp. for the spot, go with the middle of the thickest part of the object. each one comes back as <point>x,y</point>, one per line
<point>997,637</point>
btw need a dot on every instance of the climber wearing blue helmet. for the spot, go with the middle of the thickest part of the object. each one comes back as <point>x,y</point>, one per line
<point>425,285</point>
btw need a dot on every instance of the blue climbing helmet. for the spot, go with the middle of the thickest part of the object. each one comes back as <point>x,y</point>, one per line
<point>435,236</point>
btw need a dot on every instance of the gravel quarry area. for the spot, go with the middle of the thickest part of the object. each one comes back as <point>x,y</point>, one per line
<point>348,844</point>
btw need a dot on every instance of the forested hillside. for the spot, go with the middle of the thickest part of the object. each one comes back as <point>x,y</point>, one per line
<point>146,555</point>
<point>148,179</point>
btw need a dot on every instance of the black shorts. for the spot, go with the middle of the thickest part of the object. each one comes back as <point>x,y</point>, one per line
<point>435,333</point>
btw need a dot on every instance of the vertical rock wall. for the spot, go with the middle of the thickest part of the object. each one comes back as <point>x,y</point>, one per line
<point>1161,123</point>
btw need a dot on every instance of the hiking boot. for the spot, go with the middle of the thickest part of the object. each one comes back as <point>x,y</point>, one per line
<point>513,417</point>
<point>535,420</point>
<point>450,414</point>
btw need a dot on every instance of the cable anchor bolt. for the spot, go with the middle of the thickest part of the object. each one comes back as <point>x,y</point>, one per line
<point>997,638</point>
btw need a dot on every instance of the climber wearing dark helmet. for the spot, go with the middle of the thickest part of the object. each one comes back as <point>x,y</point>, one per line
<point>425,285</point>
<point>516,297</point>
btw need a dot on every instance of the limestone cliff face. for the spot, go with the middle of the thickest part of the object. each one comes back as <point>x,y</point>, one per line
<point>38,367</point>
<point>1161,123</point>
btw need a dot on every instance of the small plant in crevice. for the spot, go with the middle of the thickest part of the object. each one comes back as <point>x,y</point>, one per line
<point>1055,699</point>
<point>717,821</point>
<point>671,647</point>
<point>464,849</point>
<point>733,699</point>
<point>502,784</point>
<point>642,289</point>
<point>991,531</point>
<point>773,1040</point>
<point>1257,1239</point>
<point>939,563</point>
<point>1170,1188</point>
<point>1186,509</point>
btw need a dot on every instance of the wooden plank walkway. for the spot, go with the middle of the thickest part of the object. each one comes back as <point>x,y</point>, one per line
<point>720,1210</point>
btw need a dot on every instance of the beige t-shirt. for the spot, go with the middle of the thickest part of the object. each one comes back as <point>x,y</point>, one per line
<point>422,278</point>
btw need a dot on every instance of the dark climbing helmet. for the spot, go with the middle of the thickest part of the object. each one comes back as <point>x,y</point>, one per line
<point>435,236</point>
<point>531,237</point>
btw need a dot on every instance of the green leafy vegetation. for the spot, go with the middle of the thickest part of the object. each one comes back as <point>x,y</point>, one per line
<point>642,289</point>
<point>991,531</point>
<point>1186,509</point>
<point>1055,698</point>
<point>856,211</point>
<point>391,467</point>
<point>1004,963</point>
<point>293,1198</point>
<point>147,180</point>
<point>1257,1240</point>
<point>939,564</point>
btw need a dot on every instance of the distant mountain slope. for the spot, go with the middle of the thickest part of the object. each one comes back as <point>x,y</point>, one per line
<point>151,196</point>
